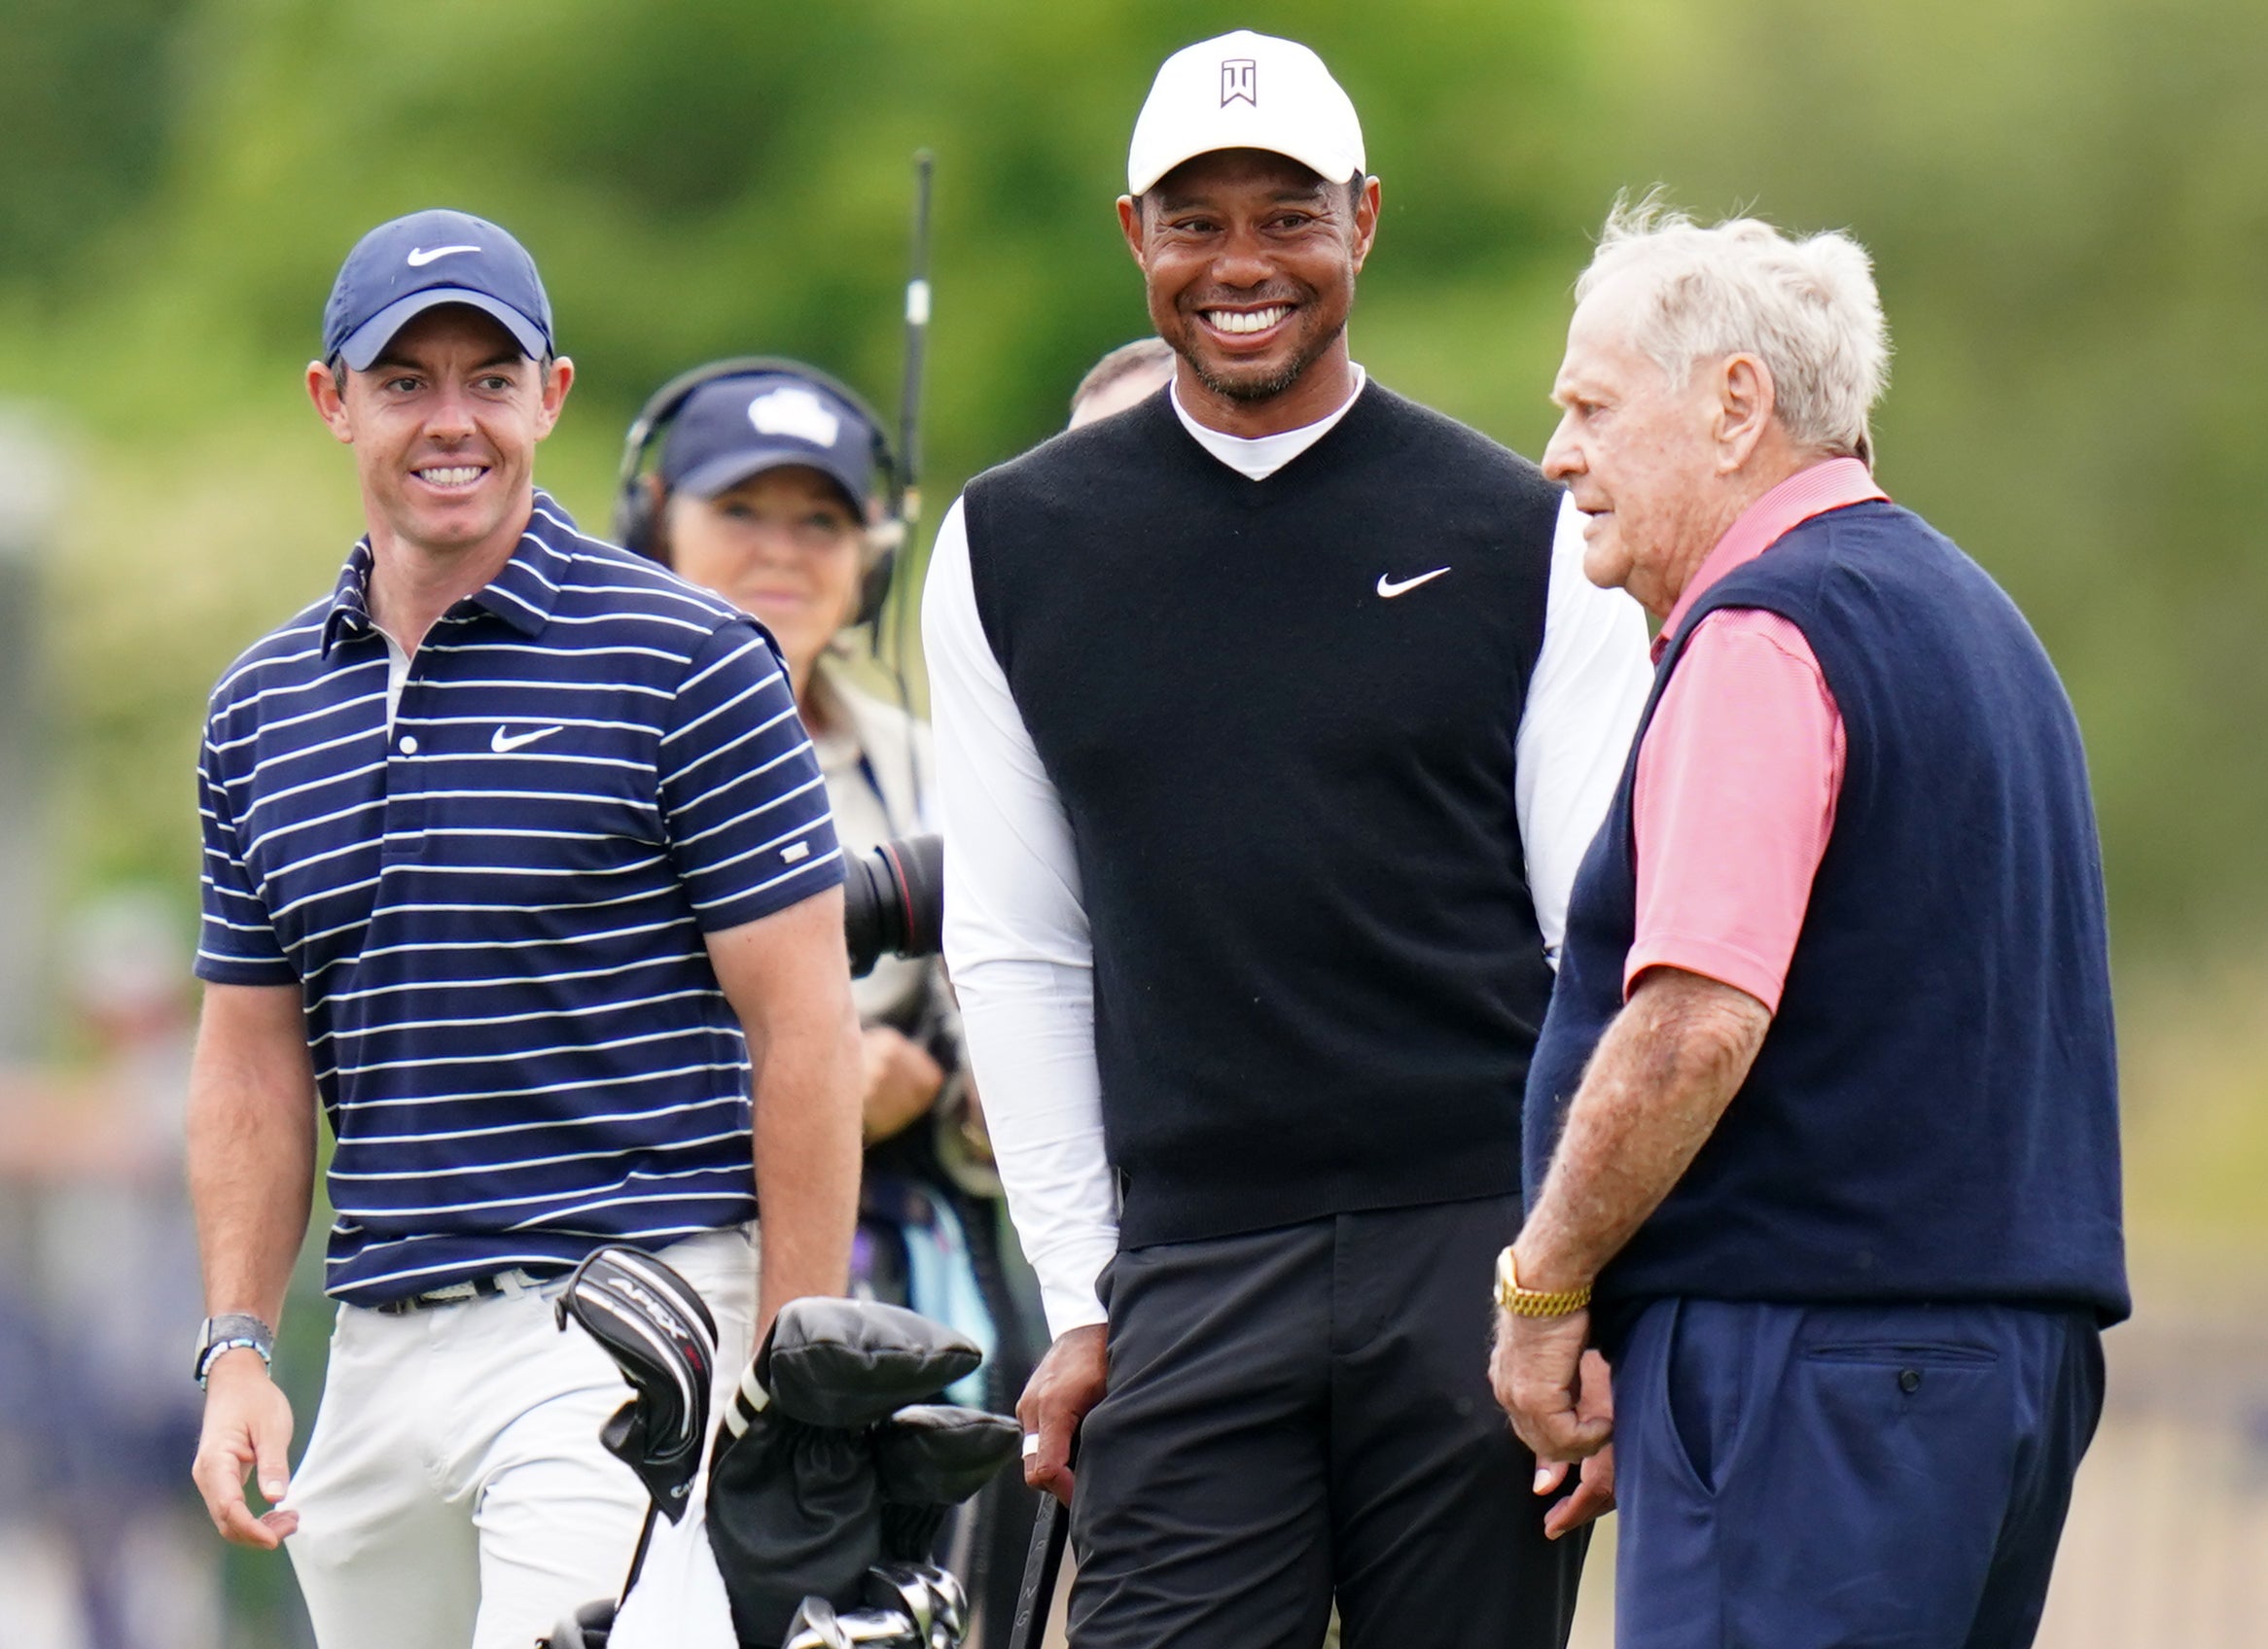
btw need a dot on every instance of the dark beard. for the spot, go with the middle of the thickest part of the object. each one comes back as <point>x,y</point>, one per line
<point>1252,389</point>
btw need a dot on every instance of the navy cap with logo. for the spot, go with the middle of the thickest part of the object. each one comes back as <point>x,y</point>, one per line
<point>400,269</point>
<point>738,427</point>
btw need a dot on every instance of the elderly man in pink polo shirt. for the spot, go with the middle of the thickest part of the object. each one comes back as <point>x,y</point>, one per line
<point>1821,1135</point>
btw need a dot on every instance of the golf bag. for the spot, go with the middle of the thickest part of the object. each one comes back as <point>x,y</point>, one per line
<point>830,1475</point>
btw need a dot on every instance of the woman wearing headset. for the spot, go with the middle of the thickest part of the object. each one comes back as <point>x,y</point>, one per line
<point>769,489</point>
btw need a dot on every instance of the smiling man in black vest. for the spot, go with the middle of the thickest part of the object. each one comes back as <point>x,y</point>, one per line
<point>1273,715</point>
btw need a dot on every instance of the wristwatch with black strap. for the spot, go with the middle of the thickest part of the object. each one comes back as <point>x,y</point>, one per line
<point>1534,1302</point>
<point>232,1331</point>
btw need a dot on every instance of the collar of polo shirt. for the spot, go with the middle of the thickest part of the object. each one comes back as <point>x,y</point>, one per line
<point>522,595</point>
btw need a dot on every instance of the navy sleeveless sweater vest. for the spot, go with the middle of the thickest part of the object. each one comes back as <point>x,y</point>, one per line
<point>1933,1115</point>
<point>1318,973</point>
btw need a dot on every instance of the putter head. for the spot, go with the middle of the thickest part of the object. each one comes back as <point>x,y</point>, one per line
<point>949,1625</point>
<point>659,1332</point>
<point>879,1628</point>
<point>818,1626</point>
<point>928,1597</point>
<point>904,1588</point>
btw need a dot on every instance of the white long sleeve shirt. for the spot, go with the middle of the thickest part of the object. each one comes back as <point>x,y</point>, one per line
<point>1016,938</point>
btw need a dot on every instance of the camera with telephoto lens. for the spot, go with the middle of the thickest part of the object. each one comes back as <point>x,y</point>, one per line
<point>894,901</point>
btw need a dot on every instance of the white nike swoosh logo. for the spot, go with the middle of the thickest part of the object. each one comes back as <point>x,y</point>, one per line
<point>420,257</point>
<point>1388,588</point>
<point>503,746</point>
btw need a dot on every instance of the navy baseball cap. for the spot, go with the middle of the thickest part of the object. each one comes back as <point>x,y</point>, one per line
<point>738,427</point>
<point>400,269</point>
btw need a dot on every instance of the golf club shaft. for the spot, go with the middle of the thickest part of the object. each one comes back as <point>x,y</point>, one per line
<point>1042,1561</point>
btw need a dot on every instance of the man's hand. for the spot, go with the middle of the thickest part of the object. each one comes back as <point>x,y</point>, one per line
<point>1561,1401</point>
<point>1069,1381</point>
<point>247,1424</point>
<point>901,1081</point>
<point>1594,1492</point>
<point>1661,1076</point>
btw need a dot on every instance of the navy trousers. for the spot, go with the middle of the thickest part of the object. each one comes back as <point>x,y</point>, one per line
<point>1802,1477</point>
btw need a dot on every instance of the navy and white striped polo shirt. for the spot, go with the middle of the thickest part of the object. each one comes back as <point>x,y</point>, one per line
<point>495,909</point>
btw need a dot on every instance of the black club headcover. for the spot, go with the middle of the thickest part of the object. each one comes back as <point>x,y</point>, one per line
<point>659,1332</point>
<point>932,1456</point>
<point>796,1506</point>
<point>851,1362</point>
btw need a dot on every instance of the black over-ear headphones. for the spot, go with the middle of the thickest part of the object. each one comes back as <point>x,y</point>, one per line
<point>637,519</point>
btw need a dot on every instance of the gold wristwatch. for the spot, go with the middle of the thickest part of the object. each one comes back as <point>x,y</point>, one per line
<point>1534,1302</point>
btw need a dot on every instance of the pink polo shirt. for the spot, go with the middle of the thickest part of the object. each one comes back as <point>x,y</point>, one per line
<point>1740,768</point>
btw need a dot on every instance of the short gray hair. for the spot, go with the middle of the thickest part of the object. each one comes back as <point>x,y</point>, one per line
<point>1142,355</point>
<point>1806,309</point>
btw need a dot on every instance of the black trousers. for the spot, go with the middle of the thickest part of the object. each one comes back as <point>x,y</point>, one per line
<point>1304,1413</point>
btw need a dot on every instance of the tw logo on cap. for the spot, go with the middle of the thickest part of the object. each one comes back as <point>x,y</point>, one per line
<point>1240,82</point>
<point>792,410</point>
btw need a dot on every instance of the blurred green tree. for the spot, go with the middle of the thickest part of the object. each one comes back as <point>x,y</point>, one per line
<point>88,99</point>
<point>2067,204</point>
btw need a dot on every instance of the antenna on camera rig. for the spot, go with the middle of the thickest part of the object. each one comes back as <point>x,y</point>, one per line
<point>918,313</point>
<point>917,306</point>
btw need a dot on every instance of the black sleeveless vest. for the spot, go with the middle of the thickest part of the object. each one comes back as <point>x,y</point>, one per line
<point>1287,769</point>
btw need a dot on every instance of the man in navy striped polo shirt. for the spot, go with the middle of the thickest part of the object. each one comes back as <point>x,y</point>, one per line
<point>513,849</point>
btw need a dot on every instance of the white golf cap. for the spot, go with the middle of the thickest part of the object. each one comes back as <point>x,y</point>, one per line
<point>1245,90</point>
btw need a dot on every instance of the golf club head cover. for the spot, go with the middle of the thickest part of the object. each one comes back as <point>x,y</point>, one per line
<point>794,1506</point>
<point>658,1329</point>
<point>851,1362</point>
<point>930,1457</point>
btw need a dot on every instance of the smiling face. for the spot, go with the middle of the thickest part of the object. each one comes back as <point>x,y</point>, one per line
<point>1643,458</point>
<point>1249,260</point>
<point>782,544</point>
<point>445,425</point>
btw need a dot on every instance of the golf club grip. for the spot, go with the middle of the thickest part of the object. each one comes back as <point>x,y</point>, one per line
<point>1041,1563</point>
